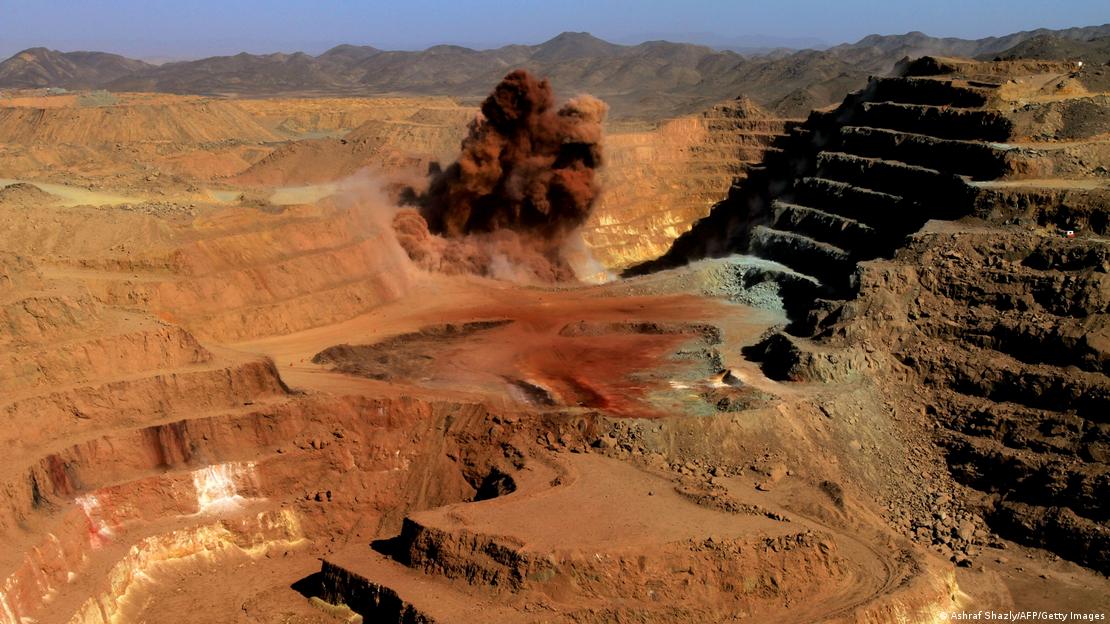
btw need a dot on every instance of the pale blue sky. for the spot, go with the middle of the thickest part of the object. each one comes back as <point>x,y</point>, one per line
<point>192,28</point>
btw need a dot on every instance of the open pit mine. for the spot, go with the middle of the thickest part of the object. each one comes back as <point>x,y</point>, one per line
<point>417,359</point>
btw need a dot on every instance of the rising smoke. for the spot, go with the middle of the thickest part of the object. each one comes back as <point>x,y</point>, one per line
<point>523,182</point>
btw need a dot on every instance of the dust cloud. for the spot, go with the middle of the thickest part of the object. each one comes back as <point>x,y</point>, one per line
<point>524,181</point>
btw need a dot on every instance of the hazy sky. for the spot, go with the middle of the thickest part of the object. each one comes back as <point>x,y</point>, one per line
<point>192,28</point>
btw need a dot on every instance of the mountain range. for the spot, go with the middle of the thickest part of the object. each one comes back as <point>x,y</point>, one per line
<point>649,80</point>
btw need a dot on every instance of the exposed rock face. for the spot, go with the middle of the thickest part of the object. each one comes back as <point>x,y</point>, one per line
<point>1010,338</point>
<point>405,139</point>
<point>188,144</point>
<point>997,324</point>
<point>189,120</point>
<point>657,184</point>
<point>133,452</point>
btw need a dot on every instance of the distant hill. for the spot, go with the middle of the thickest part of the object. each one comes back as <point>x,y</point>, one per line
<point>40,67</point>
<point>242,74</point>
<point>649,80</point>
<point>575,45</point>
<point>1095,51</point>
<point>879,48</point>
<point>349,53</point>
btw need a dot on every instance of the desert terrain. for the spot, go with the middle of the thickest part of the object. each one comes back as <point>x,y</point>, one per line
<point>847,364</point>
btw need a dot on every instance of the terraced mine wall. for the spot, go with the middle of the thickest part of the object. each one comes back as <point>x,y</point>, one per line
<point>366,598</point>
<point>657,184</point>
<point>935,216</point>
<point>135,450</point>
<point>235,479</point>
